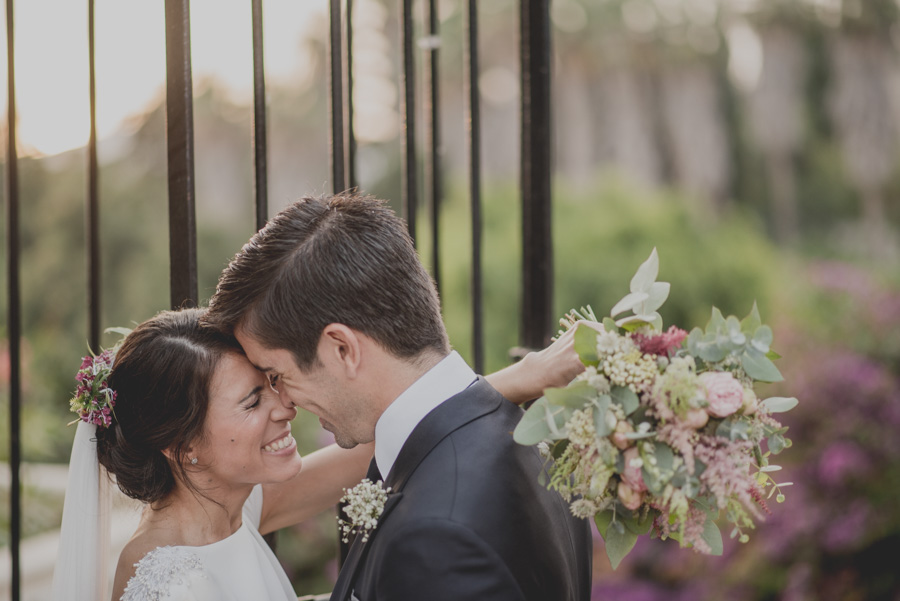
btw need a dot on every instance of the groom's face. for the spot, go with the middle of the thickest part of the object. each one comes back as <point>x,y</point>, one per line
<point>319,390</point>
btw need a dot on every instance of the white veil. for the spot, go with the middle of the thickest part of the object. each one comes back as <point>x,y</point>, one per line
<point>81,571</point>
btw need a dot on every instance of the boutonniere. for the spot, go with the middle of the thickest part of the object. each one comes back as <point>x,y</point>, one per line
<point>364,505</point>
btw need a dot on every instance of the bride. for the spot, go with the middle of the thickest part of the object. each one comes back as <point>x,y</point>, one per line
<point>198,435</point>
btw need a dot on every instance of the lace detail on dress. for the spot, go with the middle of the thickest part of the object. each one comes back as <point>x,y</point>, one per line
<point>158,570</point>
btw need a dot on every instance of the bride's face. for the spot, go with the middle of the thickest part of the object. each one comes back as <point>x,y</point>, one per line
<point>247,435</point>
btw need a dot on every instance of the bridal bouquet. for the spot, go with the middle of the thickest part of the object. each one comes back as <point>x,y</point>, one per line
<point>663,431</point>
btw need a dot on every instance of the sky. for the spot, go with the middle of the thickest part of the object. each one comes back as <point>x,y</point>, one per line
<point>52,59</point>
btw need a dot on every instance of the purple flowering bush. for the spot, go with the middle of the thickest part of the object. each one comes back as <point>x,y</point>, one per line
<point>838,534</point>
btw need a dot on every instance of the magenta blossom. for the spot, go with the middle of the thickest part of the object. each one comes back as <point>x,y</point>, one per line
<point>661,344</point>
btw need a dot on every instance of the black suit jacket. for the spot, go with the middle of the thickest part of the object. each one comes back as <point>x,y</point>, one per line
<point>467,518</point>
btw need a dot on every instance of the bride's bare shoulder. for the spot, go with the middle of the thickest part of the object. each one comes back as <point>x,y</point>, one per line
<point>134,551</point>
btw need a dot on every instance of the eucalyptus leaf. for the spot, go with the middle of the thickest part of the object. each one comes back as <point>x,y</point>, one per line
<point>693,341</point>
<point>601,407</point>
<point>735,336</point>
<point>763,337</point>
<point>603,520</point>
<point>779,404</point>
<point>559,448</point>
<point>750,323</point>
<point>625,397</point>
<point>712,536</point>
<point>716,322</point>
<point>637,524</point>
<point>709,350</point>
<point>758,367</point>
<point>618,545</point>
<point>556,429</point>
<point>733,428</point>
<point>610,325</point>
<point>585,344</point>
<point>533,427</point>
<point>773,355</point>
<point>654,485</point>
<point>665,456</point>
<point>739,429</point>
<point>776,443</point>
<point>574,396</point>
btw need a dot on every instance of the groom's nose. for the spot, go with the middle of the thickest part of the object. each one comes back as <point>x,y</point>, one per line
<point>286,400</point>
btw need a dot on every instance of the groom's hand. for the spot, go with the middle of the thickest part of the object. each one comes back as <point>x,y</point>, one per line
<point>553,367</point>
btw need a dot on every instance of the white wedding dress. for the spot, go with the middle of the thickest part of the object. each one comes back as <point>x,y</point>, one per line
<point>237,568</point>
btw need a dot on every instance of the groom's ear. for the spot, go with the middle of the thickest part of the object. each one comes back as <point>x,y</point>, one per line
<point>342,347</point>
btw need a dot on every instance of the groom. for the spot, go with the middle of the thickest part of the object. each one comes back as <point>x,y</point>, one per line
<point>331,301</point>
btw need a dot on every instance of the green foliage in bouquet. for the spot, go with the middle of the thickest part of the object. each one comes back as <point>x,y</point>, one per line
<point>662,432</point>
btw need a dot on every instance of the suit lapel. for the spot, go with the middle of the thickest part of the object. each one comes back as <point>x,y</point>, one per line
<point>454,413</point>
<point>476,401</point>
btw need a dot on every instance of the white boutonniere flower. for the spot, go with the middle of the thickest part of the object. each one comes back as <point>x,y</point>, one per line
<point>365,504</point>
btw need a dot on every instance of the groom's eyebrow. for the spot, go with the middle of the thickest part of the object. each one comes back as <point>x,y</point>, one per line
<point>265,370</point>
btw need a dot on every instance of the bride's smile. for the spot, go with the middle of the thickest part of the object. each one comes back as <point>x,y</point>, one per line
<point>247,434</point>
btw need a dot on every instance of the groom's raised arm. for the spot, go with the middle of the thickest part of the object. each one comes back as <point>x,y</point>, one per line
<point>440,560</point>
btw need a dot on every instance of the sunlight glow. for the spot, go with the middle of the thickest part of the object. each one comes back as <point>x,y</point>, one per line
<point>52,60</point>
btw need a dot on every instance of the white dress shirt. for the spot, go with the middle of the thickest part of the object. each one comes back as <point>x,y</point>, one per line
<point>449,377</point>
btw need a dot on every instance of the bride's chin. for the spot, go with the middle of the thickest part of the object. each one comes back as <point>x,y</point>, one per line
<point>290,475</point>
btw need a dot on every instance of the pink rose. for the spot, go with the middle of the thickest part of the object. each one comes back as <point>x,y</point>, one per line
<point>632,474</point>
<point>630,498</point>
<point>724,394</point>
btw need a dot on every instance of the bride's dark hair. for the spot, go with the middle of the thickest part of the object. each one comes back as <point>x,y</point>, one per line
<point>161,375</point>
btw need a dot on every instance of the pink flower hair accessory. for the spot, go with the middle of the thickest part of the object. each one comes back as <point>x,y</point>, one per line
<point>94,399</point>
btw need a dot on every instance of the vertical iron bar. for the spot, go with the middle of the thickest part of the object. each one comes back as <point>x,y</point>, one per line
<point>338,156</point>
<point>180,139</point>
<point>433,138</point>
<point>474,110</point>
<point>93,200</point>
<point>260,175</point>
<point>537,247</point>
<point>260,147</point>
<point>348,106</point>
<point>407,110</point>
<point>14,317</point>
<point>336,80</point>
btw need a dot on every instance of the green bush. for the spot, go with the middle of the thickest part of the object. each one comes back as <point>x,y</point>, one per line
<point>599,240</point>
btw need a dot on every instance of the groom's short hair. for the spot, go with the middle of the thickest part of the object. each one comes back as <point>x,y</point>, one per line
<point>345,258</point>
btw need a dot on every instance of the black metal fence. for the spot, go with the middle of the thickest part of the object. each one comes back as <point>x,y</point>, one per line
<point>536,294</point>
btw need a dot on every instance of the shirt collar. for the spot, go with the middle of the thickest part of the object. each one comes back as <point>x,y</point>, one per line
<point>449,377</point>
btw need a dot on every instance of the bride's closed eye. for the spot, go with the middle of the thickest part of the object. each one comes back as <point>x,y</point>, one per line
<point>255,402</point>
